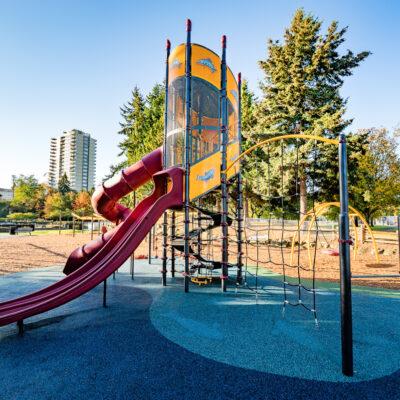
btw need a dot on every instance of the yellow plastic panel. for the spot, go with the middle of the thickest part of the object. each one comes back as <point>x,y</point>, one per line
<point>206,65</point>
<point>176,62</point>
<point>232,89</point>
<point>233,153</point>
<point>205,175</point>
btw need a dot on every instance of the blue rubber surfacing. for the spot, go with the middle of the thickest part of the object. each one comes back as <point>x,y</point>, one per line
<point>159,343</point>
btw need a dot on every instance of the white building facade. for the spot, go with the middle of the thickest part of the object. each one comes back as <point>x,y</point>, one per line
<point>73,153</point>
<point>6,194</point>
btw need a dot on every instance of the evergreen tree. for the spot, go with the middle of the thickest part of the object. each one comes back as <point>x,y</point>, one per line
<point>253,203</point>
<point>142,128</point>
<point>64,185</point>
<point>132,127</point>
<point>303,76</point>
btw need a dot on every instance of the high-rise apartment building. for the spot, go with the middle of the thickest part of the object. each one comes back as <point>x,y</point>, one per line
<point>73,153</point>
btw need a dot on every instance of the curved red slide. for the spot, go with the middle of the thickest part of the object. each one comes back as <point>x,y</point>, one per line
<point>105,202</point>
<point>123,240</point>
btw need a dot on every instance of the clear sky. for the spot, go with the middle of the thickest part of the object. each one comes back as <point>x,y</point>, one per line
<point>71,63</point>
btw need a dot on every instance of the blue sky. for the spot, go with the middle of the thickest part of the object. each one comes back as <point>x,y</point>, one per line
<point>72,64</point>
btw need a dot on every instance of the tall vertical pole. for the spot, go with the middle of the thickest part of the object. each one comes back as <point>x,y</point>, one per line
<point>132,263</point>
<point>165,222</point>
<point>224,186</point>
<point>345,272</point>
<point>398,238</point>
<point>91,227</point>
<point>188,95</point>
<point>149,236</point>
<point>239,216</point>
<point>172,247</point>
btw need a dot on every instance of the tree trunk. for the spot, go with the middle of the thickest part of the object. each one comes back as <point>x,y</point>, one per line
<point>303,196</point>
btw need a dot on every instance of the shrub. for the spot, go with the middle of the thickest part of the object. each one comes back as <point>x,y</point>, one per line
<point>22,216</point>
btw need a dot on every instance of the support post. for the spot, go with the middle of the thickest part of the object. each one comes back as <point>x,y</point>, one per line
<point>132,263</point>
<point>224,186</point>
<point>20,325</point>
<point>239,216</point>
<point>345,272</point>
<point>172,247</point>
<point>398,239</point>
<point>165,222</point>
<point>105,293</point>
<point>59,224</point>
<point>199,236</point>
<point>188,100</point>
<point>73,226</point>
<point>149,237</point>
<point>91,228</point>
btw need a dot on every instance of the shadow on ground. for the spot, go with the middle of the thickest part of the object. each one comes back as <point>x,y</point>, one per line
<point>82,351</point>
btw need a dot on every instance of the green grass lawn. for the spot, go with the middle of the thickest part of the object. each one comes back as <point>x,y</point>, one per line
<point>384,228</point>
<point>49,232</point>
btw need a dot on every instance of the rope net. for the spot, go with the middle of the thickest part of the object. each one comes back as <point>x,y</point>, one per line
<point>280,187</point>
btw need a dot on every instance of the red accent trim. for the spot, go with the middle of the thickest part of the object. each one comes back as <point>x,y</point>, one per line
<point>347,241</point>
<point>239,77</point>
<point>223,41</point>
<point>224,277</point>
<point>188,25</point>
<point>168,46</point>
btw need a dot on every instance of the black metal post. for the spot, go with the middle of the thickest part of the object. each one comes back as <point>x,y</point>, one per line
<point>105,293</point>
<point>132,263</point>
<point>188,100</point>
<point>345,272</point>
<point>224,186</point>
<point>199,239</point>
<point>91,230</point>
<point>239,217</point>
<point>398,238</point>
<point>165,222</point>
<point>172,247</point>
<point>73,226</point>
<point>149,237</point>
<point>20,325</point>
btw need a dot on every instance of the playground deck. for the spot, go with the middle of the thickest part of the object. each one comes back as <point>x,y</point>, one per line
<point>160,343</point>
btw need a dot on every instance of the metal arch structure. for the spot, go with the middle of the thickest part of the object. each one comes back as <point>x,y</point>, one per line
<point>277,139</point>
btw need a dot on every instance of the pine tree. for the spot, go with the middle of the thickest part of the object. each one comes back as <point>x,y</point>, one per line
<point>253,203</point>
<point>132,127</point>
<point>303,76</point>
<point>64,185</point>
<point>142,128</point>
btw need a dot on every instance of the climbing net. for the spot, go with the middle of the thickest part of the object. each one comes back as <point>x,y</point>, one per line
<point>280,188</point>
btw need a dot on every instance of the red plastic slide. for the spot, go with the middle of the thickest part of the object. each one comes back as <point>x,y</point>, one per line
<point>98,262</point>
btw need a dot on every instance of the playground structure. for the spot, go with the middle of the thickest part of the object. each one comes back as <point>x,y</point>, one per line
<point>319,210</point>
<point>86,218</point>
<point>202,157</point>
